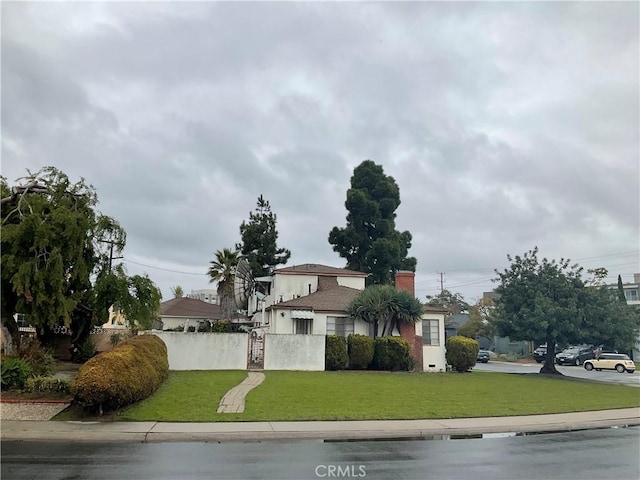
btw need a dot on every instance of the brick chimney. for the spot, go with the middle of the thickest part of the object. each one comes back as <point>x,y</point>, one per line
<point>405,280</point>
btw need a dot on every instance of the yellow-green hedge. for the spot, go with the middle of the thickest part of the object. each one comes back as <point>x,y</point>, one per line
<point>126,374</point>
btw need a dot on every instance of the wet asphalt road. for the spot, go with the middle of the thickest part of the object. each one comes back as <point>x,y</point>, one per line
<point>571,371</point>
<point>600,454</point>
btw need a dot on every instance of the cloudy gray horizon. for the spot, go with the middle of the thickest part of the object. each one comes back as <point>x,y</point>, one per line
<point>506,125</point>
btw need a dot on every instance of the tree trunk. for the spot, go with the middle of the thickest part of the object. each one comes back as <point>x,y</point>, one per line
<point>549,366</point>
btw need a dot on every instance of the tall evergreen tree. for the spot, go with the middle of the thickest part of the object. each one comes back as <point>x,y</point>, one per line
<point>621,294</point>
<point>259,240</point>
<point>370,242</point>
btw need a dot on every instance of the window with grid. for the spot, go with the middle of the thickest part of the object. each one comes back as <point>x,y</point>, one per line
<point>303,326</point>
<point>431,332</point>
<point>342,326</point>
<point>631,295</point>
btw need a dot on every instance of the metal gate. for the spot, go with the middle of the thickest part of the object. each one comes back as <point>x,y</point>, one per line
<point>256,351</point>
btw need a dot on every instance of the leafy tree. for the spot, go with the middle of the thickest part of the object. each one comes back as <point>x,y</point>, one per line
<point>544,300</point>
<point>453,302</point>
<point>53,243</point>
<point>259,240</point>
<point>369,242</point>
<point>222,271</point>
<point>383,305</point>
<point>479,323</point>
<point>177,291</point>
<point>57,252</point>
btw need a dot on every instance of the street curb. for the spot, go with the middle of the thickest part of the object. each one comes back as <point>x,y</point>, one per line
<point>42,400</point>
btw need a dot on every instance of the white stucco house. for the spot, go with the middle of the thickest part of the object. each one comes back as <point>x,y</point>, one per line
<point>312,299</point>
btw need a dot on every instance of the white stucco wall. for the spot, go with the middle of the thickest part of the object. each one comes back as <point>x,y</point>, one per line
<point>352,282</point>
<point>206,351</point>
<point>294,352</point>
<point>433,356</point>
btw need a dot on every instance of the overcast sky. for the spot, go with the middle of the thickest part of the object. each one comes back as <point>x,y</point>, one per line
<point>505,125</point>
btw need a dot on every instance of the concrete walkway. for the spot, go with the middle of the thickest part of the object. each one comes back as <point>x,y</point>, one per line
<point>14,430</point>
<point>233,401</point>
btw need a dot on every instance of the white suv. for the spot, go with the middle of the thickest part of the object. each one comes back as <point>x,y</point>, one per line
<point>611,361</point>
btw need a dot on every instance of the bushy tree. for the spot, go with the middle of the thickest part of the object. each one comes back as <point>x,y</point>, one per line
<point>53,242</point>
<point>453,302</point>
<point>384,306</point>
<point>177,291</point>
<point>370,242</point>
<point>479,323</point>
<point>548,301</point>
<point>57,252</point>
<point>259,240</point>
<point>462,352</point>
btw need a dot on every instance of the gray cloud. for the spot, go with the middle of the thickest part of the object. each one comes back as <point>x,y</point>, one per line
<point>505,125</point>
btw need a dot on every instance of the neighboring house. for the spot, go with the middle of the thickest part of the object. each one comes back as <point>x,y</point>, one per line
<point>187,312</point>
<point>206,295</point>
<point>312,299</point>
<point>632,296</point>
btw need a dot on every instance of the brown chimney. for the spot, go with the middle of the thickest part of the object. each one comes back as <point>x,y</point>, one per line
<point>405,280</point>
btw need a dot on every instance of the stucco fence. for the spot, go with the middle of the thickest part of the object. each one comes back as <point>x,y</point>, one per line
<point>230,351</point>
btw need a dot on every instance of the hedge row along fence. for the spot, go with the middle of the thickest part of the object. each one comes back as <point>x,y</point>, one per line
<point>360,352</point>
<point>126,374</point>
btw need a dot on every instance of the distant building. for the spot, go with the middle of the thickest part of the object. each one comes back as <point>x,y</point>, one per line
<point>206,295</point>
<point>631,290</point>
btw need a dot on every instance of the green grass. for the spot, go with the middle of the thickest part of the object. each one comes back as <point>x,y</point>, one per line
<point>291,396</point>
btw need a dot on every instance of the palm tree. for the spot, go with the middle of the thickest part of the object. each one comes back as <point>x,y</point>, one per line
<point>177,291</point>
<point>386,306</point>
<point>222,270</point>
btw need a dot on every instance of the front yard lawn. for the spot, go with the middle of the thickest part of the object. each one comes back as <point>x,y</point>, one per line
<point>297,396</point>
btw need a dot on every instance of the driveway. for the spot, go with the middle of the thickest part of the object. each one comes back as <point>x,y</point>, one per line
<point>632,379</point>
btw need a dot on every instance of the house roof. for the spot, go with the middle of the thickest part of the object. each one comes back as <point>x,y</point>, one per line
<point>433,309</point>
<point>317,269</point>
<point>336,299</point>
<point>189,307</point>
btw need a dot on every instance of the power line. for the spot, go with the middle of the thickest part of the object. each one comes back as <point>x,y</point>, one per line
<point>163,269</point>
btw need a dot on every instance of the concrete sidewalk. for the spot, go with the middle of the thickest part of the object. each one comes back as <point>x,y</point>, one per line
<point>14,430</point>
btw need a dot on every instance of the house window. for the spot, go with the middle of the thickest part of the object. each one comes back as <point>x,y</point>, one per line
<point>631,295</point>
<point>431,332</point>
<point>303,326</point>
<point>342,326</point>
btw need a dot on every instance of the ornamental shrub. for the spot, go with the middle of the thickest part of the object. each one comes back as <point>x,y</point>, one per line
<point>335,353</point>
<point>126,374</point>
<point>462,352</point>
<point>360,348</point>
<point>48,384</point>
<point>391,353</point>
<point>39,358</point>
<point>14,372</point>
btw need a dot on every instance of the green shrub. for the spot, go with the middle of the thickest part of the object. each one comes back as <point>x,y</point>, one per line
<point>48,384</point>
<point>14,372</point>
<point>39,358</point>
<point>128,373</point>
<point>360,348</point>
<point>462,352</point>
<point>336,357</point>
<point>391,353</point>
<point>84,350</point>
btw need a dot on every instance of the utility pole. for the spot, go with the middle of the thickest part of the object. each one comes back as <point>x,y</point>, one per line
<point>441,282</point>
<point>111,257</point>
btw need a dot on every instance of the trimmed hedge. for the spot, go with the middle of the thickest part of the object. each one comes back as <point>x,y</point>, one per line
<point>360,348</point>
<point>48,385</point>
<point>126,374</point>
<point>462,352</point>
<point>391,353</point>
<point>335,353</point>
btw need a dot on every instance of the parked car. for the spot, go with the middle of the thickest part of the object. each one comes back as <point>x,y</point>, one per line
<point>483,356</point>
<point>574,356</point>
<point>619,362</point>
<point>540,353</point>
